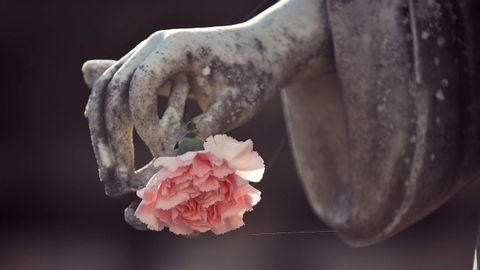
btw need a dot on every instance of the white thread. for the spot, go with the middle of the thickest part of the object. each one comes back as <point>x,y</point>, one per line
<point>292,232</point>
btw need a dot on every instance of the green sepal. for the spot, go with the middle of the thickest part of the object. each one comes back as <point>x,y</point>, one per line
<point>191,141</point>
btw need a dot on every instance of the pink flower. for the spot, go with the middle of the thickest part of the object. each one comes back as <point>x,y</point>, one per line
<point>203,190</point>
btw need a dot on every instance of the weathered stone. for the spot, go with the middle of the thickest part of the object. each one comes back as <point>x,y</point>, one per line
<point>382,103</point>
<point>393,134</point>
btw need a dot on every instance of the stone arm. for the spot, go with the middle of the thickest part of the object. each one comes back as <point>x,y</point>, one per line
<point>230,70</point>
<point>379,143</point>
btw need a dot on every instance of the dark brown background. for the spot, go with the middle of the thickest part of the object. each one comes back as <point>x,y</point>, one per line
<point>53,213</point>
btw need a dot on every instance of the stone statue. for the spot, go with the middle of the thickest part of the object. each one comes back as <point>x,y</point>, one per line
<point>381,101</point>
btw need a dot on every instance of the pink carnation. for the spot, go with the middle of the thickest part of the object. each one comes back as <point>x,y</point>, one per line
<point>203,190</point>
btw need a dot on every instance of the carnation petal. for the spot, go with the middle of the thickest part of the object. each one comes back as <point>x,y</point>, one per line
<point>209,185</point>
<point>221,229</point>
<point>181,229</point>
<point>200,167</point>
<point>252,176</point>
<point>145,213</point>
<point>188,156</point>
<point>172,201</point>
<point>235,222</point>
<point>164,216</point>
<point>222,170</point>
<point>198,180</point>
<point>200,225</point>
<point>252,194</point>
<point>179,171</point>
<point>171,163</point>
<point>182,178</point>
<point>247,161</point>
<point>239,181</point>
<point>154,183</point>
<point>209,200</point>
<point>239,155</point>
<point>229,224</point>
<point>140,193</point>
<point>238,208</point>
<point>149,192</point>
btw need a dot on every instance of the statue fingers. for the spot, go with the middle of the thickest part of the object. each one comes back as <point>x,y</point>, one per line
<point>95,113</point>
<point>142,175</point>
<point>119,125</point>
<point>131,219</point>
<point>96,122</point>
<point>172,118</point>
<point>152,74</point>
<point>93,69</point>
<point>230,109</point>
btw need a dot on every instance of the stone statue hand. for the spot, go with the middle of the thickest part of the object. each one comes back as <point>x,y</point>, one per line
<point>224,67</point>
<point>230,70</point>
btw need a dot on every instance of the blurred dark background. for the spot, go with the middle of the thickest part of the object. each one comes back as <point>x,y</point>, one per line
<point>53,212</point>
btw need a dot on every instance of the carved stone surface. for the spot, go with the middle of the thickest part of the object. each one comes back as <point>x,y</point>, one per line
<point>382,102</point>
<point>394,133</point>
<point>231,70</point>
